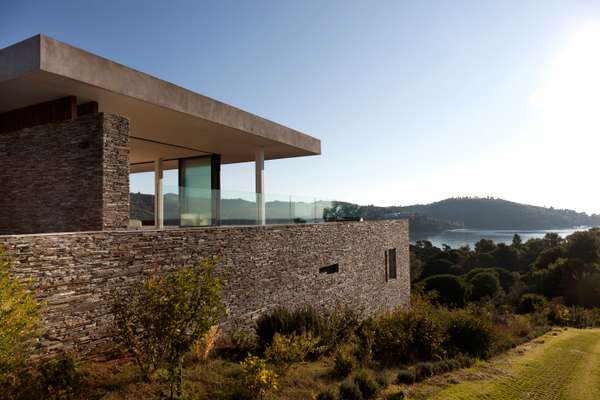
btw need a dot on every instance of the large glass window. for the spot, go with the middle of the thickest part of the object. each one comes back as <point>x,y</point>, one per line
<point>141,197</point>
<point>196,197</point>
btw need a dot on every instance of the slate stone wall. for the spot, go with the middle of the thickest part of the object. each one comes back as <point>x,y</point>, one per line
<point>267,266</point>
<point>65,177</point>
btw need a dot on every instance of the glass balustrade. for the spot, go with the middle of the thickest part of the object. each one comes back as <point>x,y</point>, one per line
<point>191,207</point>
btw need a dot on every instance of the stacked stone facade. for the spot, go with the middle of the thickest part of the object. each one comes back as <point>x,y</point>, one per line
<point>65,177</point>
<point>267,266</point>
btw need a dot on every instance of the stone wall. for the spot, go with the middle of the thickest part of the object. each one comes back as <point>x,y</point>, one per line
<point>267,266</point>
<point>65,177</point>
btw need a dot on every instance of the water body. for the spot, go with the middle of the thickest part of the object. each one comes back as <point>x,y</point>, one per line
<point>459,237</point>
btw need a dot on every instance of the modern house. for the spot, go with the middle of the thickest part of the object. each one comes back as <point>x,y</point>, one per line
<point>76,128</point>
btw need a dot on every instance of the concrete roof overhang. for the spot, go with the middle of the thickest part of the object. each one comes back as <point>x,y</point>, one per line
<point>166,121</point>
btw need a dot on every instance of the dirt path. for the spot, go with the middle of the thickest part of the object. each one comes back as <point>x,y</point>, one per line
<point>564,367</point>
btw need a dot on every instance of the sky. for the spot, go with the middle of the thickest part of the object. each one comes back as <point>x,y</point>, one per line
<point>413,102</point>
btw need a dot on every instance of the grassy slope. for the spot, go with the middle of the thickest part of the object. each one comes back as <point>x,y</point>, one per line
<point>566,366</point>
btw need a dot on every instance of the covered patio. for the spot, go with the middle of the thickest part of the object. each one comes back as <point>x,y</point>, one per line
<point>173,132</point>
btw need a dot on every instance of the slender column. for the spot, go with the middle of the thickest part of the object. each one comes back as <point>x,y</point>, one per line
<point>158,194</point>
<point>259,161</point>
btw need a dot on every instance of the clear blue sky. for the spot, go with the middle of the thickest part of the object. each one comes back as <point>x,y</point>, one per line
<point>413,101</point>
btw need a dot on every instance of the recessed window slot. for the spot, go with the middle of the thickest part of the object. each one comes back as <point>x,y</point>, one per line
<point>330,269</point>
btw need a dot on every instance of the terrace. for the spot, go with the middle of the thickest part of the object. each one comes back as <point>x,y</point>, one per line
<point>177,140</point>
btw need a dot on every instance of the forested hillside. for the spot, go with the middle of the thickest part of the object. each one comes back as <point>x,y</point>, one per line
<point>490,213</point>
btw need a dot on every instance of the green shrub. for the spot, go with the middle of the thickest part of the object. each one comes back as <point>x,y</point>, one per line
<point>451,290</point>
<point>506,278</point>
<point>339,325</point>
<point>584,318</point>
<point>368,387</point>
<point>288,322</point>
<point>239,344</point>
<point>60,377</point>
<point>350,391</point>
<point>469,334</point>
<point>407,335</point>
<point>326,395</point>
<point>406,376</point>
<point>257,378</point>
<point>343,363</point>
<point>288,349</point>
<point>440,367</point>
<point>484,284</point>
<point>530,303</point>
<point>464,361</point>
<point>382,379</point>
<point>19,322</point>
<point>160,319</point>
<point>453,364</point>
<point>423,370</point>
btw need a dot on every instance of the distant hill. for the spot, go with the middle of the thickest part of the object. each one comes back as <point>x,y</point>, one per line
<point>491,213</point>
<point>453,213</point>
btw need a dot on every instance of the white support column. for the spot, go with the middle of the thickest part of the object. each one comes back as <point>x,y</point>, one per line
<point>158,195</point>
<point>259,162</point>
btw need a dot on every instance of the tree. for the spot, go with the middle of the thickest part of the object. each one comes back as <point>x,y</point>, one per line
<point>437,266</point>
<point>517,241</point>
<point>484,284</point>
<point>159,320</point>
<point>485,246</point>
<point>416,267</point>
<point>584,245</point>
<point>341,211</point>
<point>451,289</point>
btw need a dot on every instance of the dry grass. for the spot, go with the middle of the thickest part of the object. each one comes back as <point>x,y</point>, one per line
<point>560,365</point>
<point>563,364</point>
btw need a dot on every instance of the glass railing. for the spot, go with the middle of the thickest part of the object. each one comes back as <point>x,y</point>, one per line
<point>188,207</point>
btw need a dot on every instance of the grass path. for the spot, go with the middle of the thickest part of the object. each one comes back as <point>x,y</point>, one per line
<point>563,367</point>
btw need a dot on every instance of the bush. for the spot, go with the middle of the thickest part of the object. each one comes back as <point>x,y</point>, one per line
<point>368,387</point>
<point>464,361</point>
<point>407,335</point>
<point>288,322</point>
<point>293,348</point>
<point>160,319</point>
<point>441,367</point>
<point>343,363</point>
<point>469,334</point>
<point>326,395</point>
<point>350,391</point>
<point>451,290</point>
<point>559,314</point>
<point>60,377</point>
<point>530,303</point>
<point>584,318</point>
<point>506,278</point>
<point>19,322</point>
<point>406,376</point>
<point>423,371</point>
<point>339,326</point>
<point>256,377</point>
<point>484,284</point>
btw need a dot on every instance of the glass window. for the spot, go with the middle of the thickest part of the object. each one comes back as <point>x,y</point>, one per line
<point>195,191</point>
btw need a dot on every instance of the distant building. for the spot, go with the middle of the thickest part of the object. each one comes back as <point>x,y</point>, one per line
<point>74,127</point>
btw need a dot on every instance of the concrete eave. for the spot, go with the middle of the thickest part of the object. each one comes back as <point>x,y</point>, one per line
<point>41,69</point>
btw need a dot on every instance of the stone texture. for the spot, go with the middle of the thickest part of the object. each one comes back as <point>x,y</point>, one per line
<point>65,177</point>
<point>267,266</point>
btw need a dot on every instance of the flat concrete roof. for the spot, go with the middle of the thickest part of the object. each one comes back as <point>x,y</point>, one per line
<point>166,120</point>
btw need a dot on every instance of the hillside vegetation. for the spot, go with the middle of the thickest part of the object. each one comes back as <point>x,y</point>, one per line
<point>491,213</point>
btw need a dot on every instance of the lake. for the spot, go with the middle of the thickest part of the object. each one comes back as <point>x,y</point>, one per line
<point>460,237</point>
